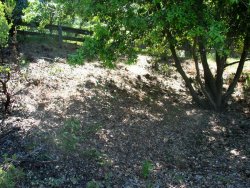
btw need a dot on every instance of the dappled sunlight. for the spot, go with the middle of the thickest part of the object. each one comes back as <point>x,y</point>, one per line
<point>105,134</point>
<point>145,113</point>
<point>216,126</point>
<point>236,153</point>
<point>142,66</point>
<point>218,129</point>
<point>211,139</point>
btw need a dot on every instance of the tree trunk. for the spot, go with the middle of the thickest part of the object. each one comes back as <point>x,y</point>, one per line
<point>2,55</point>
<point>181,71</point>
<point>220,62</point>
<point>198,77</point>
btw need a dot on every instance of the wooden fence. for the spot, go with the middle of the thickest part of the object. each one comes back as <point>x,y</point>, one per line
<point>60,29</point>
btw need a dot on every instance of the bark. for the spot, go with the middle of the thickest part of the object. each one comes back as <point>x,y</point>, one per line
<point>208,76</point>
<point>220,62</point>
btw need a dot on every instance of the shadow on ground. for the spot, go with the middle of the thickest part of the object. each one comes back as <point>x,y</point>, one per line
<point>33,48</point>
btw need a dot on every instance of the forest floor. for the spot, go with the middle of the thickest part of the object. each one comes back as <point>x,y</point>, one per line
<point>89,126</point>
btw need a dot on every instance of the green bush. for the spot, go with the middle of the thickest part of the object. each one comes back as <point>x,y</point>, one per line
<point>76,58</point>
<point>9,175</point>
<point>4,27</point>
<point>72,133</point>
<point>147,168</point>
<point>93,184</point>
<point>69,135</point>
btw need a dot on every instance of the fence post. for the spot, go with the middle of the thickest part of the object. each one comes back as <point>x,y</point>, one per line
<point>60,40</point>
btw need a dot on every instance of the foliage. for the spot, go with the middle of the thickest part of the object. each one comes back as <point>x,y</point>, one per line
<point>49,12</point>
<point>9,175</point>
<point>77,58</point>
<point>55,182</point>
<point>72,133</point>
<point>4,27</point>
<point>9,6</point>
<point>93,184</point>
<point>45,12</point>
<point>147,168</point>
<point>69,135</point>
<point>4,70</point>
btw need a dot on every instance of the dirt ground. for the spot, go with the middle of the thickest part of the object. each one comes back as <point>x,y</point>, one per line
<point>88,126</point>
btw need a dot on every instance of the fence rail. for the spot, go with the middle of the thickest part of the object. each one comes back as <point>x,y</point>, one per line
<point>60,29</point>
<point>31,33</point>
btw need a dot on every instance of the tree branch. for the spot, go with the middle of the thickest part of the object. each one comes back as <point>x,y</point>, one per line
<point>244,54</point>
<point>235,62</point>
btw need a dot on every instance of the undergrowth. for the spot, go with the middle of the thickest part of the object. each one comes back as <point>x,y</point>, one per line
<point>10,175</point>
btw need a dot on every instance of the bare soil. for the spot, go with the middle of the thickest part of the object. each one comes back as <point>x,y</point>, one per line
<point>125,118</point>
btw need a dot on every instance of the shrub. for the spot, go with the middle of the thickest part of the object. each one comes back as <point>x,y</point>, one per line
<point>9,175</point>
<point>147,168</point>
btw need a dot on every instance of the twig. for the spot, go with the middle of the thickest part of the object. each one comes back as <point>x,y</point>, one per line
<point>29,160</point>
<point>47,58</point>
